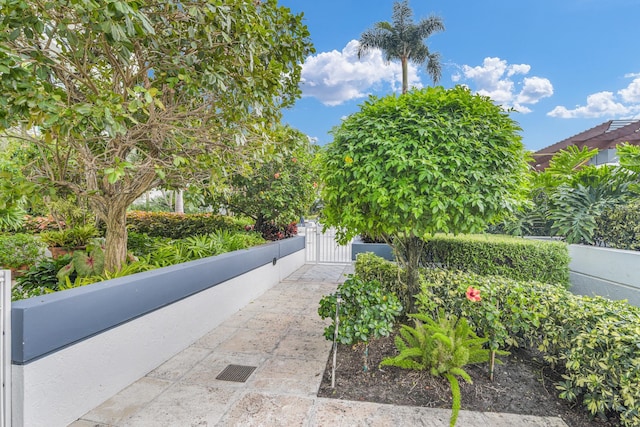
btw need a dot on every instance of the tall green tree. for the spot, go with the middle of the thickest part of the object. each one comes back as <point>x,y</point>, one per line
<point>124,95</point>
<point>431,160</point>
<point>404,40</point>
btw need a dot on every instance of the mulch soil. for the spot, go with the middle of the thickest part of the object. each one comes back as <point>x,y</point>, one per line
<point>523,384</point>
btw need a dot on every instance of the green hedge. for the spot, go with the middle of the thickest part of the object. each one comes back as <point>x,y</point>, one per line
<point>513,257</point>
<point>595,340</point>
<point>178,226</point>
<point>619,227</point>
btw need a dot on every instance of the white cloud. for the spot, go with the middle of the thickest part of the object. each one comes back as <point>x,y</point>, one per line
<point>631,93</point>
<point>336,77</point>
<point>601,104</point>
<point>624,104</point>
<point>518,69</point>
<point>534,89</point>
<point>495,79</point>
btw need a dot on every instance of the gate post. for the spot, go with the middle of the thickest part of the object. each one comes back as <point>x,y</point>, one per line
<point>5,347</point>
<point>318,238</point>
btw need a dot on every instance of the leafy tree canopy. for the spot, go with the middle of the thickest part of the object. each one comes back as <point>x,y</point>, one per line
<point>432,160</point>
<point>278,187</point>
<point>121,95</point>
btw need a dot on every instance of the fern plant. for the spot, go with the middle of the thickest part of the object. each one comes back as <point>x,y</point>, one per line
<point>443,347</point>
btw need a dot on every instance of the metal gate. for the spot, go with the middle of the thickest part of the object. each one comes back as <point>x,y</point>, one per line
<point>5,347</point>
<point>322,247</point>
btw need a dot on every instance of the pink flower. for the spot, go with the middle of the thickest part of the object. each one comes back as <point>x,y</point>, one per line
<point>294,160</point>
<point>276,175</point>
<point>473,294</point>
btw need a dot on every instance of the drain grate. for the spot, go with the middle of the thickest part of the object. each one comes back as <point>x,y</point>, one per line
<point>237,373</point>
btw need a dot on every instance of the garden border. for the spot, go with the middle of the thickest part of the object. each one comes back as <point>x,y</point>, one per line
<point>76,348</point>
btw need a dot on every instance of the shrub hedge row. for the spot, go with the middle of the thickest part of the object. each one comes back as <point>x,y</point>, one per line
<point>516,258</point>
<point>177,226</point>
<point>596,341</point>
<point>619,227</point>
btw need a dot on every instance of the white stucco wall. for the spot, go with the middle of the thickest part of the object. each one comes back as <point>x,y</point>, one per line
<point>612,273</point>
<point>59,388</point>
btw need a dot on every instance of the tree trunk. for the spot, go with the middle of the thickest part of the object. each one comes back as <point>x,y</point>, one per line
<point>116,246</point>
<point>405,75</point>
<point>259,223</point>
<point>409,252</point>
<point>179,201</point>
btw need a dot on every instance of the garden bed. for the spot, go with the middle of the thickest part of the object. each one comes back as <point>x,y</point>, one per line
<point>522,385</point>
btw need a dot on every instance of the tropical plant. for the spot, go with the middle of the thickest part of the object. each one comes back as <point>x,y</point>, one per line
<point>123,97</point>
<point>568,197</point>
<point>196,247</point>
<point>574,210</point>
<point>433,160</point>
<point>70,237</point>
<point>132,267</point>
<point>84,263</point>
<point>443,347</point>
<point>404,40</point>
<point>17,194</point>
<point>364,310</point>
<point>40,278</point>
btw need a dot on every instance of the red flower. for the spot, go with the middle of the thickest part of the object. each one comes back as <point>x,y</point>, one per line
<point>473,294</point>
<point>277,175</point>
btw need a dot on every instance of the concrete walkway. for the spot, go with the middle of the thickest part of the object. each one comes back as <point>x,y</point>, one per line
<point>280,334</point>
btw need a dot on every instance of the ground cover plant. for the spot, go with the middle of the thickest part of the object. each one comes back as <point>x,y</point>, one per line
<point>592,343</point>
<point>86,266</point>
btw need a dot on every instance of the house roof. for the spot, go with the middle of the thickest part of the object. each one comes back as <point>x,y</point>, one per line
<point>604,136</point>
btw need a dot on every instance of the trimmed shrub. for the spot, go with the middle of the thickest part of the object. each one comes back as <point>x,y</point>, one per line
<point>370,267</point>
<point>516,258</point>
<point>619,227</point>
<point>19,249</point>
<point>178,226</point>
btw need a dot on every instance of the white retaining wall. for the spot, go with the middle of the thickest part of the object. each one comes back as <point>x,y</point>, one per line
<point>57,389</point>
<point>612,273</point>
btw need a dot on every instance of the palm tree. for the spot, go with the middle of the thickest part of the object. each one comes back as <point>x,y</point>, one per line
<point>404,40</point>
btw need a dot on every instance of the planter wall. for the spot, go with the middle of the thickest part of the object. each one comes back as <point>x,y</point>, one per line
<point>611,273</point>
<point>380,249</point>
<point>74,349</point>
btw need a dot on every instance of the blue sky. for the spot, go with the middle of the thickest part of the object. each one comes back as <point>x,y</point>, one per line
<point>565,65</point>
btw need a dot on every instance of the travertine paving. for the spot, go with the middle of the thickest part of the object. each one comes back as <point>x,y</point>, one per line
<point>280,334</point>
